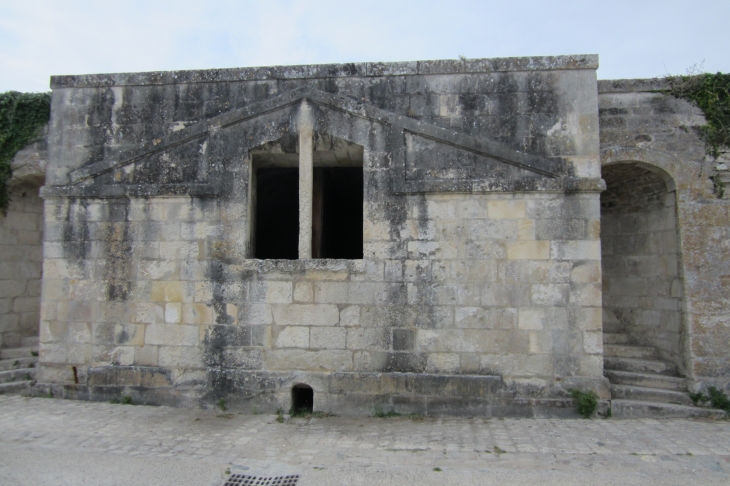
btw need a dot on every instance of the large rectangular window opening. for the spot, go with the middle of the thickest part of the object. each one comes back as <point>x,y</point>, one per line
<point>336,191</point>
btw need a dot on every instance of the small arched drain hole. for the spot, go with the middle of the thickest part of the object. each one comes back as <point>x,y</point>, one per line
<point>302,399</point>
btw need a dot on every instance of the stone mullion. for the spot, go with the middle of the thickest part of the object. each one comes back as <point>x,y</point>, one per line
<point>306,176</point>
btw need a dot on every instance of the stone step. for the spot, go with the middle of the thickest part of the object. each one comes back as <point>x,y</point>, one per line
<point>15,353</point>
<point>639,365</point>
<point>16,388</point>
<point>628,409</point>
<point>615,338</point>
<point>646,380</point>
<point>643,394</point>
<point>29,342</point>
<point>629,351</point>
<point>11,364</point>
<point>20,374</point>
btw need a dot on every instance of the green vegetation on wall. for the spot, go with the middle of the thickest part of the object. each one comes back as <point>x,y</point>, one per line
<point>22,116</point>
<point>585,402</point>
<point>711,93</point>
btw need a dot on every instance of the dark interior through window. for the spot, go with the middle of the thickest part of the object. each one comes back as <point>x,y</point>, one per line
<point>337,199</point>
<point>337,217</point>
<point>277,213</point>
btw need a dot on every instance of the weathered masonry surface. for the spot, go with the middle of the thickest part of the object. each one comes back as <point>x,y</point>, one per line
<point>478,286</point>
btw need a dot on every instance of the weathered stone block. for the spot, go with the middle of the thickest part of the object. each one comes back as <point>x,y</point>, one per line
<point>172,335</point>
<point>550,294</point>
<point>528,250</point>
<point>512,209</point>
<point>368,338</point>
<point>149,313</point>
<point>403,339</point>
<point>350,316</point>
<point>586,295</point>
<point>576,250</point>
<point>586,318</point>
<point>542,272</point>
<point>298,359</point>
<point>306,315</point>
<point>328,338</point>
<point>293,337</point>
<point>443,362</point>
<point>393,271</point>
<point>532,319</point>
<point>172,357</point>
<point>128,375</point>
<point>481,318</point>
<point>303,292</point>
<point>256,314</point>
<point>271,292</point>
<point>593,342</point>
<point>173,313</point>
<point>145,356</point>
<point>432,250</point>
<point>586,272</point>
<point>197,314</point>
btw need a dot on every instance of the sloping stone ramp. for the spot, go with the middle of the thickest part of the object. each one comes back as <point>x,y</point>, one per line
<point>18,367</point>
<point>643,386</point>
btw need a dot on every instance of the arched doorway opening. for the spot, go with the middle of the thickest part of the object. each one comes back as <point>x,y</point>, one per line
<point>642,284</point>
<point>21,264</point>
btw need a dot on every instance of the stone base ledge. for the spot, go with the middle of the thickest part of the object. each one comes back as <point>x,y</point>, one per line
<point>339,393</point>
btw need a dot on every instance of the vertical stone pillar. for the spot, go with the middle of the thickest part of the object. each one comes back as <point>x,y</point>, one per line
<point>306,175</point>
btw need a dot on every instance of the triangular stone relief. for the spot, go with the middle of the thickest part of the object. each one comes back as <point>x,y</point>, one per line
<point>422,157</point>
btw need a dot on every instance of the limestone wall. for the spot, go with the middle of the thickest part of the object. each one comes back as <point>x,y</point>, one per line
<point>639,125</point>
<point>481,239</point>
<point>487,285</point>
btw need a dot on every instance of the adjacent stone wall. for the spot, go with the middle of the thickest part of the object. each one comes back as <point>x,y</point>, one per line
<point>642,290</point>
<point>640,125</point>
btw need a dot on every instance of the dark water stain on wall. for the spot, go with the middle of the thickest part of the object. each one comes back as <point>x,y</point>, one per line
<point>76,235</point>
<point>118,251</point>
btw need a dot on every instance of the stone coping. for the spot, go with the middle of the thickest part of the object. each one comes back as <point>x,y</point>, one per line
<point>631,85</point>
<point>363,69</point>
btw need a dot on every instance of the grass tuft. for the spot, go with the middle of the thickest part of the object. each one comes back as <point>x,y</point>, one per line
<point>585,402</point>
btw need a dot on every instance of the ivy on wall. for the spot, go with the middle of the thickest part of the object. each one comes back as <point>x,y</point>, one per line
<point>22,116</point>
<point>711,93</point>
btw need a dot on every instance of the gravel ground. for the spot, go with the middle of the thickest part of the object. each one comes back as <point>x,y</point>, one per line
<point>60,442</point>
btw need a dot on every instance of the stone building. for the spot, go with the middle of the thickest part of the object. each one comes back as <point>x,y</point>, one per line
<point>442,237</point>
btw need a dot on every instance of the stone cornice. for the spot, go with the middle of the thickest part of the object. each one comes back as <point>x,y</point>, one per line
<point>364,69</point>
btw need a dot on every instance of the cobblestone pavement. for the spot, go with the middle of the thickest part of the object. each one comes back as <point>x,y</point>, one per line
<point>49,441</point>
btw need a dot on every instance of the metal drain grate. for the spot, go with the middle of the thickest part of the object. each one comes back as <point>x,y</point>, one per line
<point>246,480</point>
